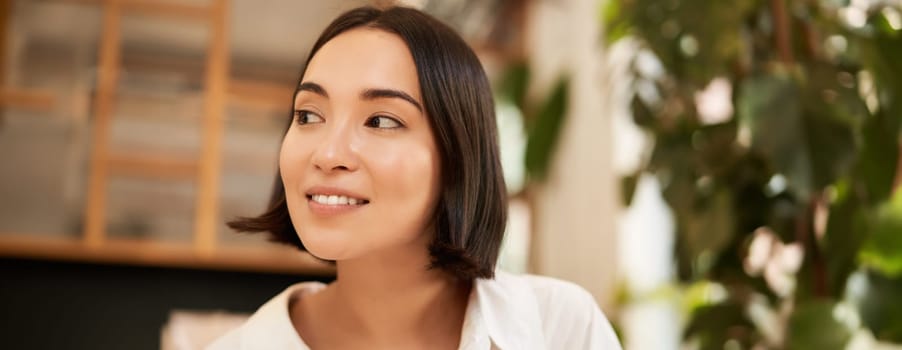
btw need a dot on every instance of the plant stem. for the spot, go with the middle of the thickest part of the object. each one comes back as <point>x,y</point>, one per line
<point>806,236</point>
<point>781,30</point>
<point>811,35</point>
<point>812,40</point>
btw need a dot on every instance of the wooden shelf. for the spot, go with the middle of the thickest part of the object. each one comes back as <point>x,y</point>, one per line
<point>153,166</point>
<point>201,248</point>
<point>268,259</point>
<point>38,100</point>
<point>155,8</point>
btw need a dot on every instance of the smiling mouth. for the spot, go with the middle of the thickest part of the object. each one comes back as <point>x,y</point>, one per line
<point>336,200</point>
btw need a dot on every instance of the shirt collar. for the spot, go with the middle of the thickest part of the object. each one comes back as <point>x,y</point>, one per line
<point>271,327</point>
<point>502,312</point>
<point>509,312</point>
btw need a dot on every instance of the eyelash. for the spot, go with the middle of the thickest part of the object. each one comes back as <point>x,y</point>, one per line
<point>298,114</point>
<point>378,117</point>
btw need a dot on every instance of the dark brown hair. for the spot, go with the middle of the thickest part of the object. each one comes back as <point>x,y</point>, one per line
<point>471,212</point>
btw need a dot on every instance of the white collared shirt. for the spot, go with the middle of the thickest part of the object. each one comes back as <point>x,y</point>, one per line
<point>507,312</point>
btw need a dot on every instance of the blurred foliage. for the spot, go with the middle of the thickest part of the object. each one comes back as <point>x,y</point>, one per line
<point>807,152</point>
<point>545,129</point>
<point>543,120</point>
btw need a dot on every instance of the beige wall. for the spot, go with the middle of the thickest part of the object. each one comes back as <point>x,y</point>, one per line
<point>575,218</point>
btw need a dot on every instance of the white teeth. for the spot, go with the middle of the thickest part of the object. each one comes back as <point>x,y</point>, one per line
<point>335,200</point>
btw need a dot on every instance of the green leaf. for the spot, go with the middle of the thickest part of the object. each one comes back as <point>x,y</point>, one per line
<point>670,161</point>
<point>846,233</point>
<point>813,326</point>
<point>831,148</point>
<point>628,188</point>
<point>545,131</point>
<point>879,157</point>
<point>808,140</point>
<point>882,23</point>
<point>696,40</point>
<point>832,112</point>
<point>614,20</point>
<point>883,249</point>
<point>610,11</point>
<point>514,83</point>
<point>769,108</point>
<point>878,304</point>
<point>716,148</point>
<point>710,229</point>
<point>713,325</point>
<point>882,56</point>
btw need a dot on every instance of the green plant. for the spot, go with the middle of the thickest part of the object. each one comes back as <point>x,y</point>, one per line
<point>806,157</point>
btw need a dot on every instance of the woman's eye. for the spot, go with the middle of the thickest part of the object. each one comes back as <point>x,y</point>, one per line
<point>306,117</point>
<point>383,122</point>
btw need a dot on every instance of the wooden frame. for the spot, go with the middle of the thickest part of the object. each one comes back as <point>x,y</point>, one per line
<point>107,79</point>
<point>36,100</point>
<point>217,76</point>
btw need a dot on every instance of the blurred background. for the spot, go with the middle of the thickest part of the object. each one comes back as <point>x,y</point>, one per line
<point>719,174</point>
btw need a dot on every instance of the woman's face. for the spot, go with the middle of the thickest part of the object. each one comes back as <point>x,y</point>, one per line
<point>359,163</point>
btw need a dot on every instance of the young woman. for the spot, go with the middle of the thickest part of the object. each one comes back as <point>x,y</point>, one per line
<point>390,168</point>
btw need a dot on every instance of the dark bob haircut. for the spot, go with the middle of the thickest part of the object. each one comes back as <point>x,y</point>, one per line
<point>471,212</point>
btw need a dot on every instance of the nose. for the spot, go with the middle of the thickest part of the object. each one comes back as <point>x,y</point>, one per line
<point>336,151</point>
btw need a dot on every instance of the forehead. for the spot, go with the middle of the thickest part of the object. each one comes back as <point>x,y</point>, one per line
<point>364,58</point>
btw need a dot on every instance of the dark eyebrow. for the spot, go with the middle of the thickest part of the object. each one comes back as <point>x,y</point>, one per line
<point>314,88</point>
<point>370,94</point>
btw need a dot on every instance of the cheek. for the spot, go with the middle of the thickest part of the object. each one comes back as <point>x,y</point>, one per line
<point>291,163</point>
<point>409,178</point>
<point>286,166</point>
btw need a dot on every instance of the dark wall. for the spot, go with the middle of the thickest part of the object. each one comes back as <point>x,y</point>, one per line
<point>58,305</point>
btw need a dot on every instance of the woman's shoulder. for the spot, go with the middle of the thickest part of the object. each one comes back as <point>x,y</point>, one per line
<point>269,327</point>
<point>567,314</point>
<point>559,292</point>
<point>550,294</point>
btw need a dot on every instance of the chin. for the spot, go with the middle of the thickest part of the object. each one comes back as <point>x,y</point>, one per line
<point>324,245</point>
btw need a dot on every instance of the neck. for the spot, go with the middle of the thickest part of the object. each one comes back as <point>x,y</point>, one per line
<point>394,296</point>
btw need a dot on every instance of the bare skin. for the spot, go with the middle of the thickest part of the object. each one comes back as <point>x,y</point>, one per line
<point>376,305</point>
<point>381,151</point>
